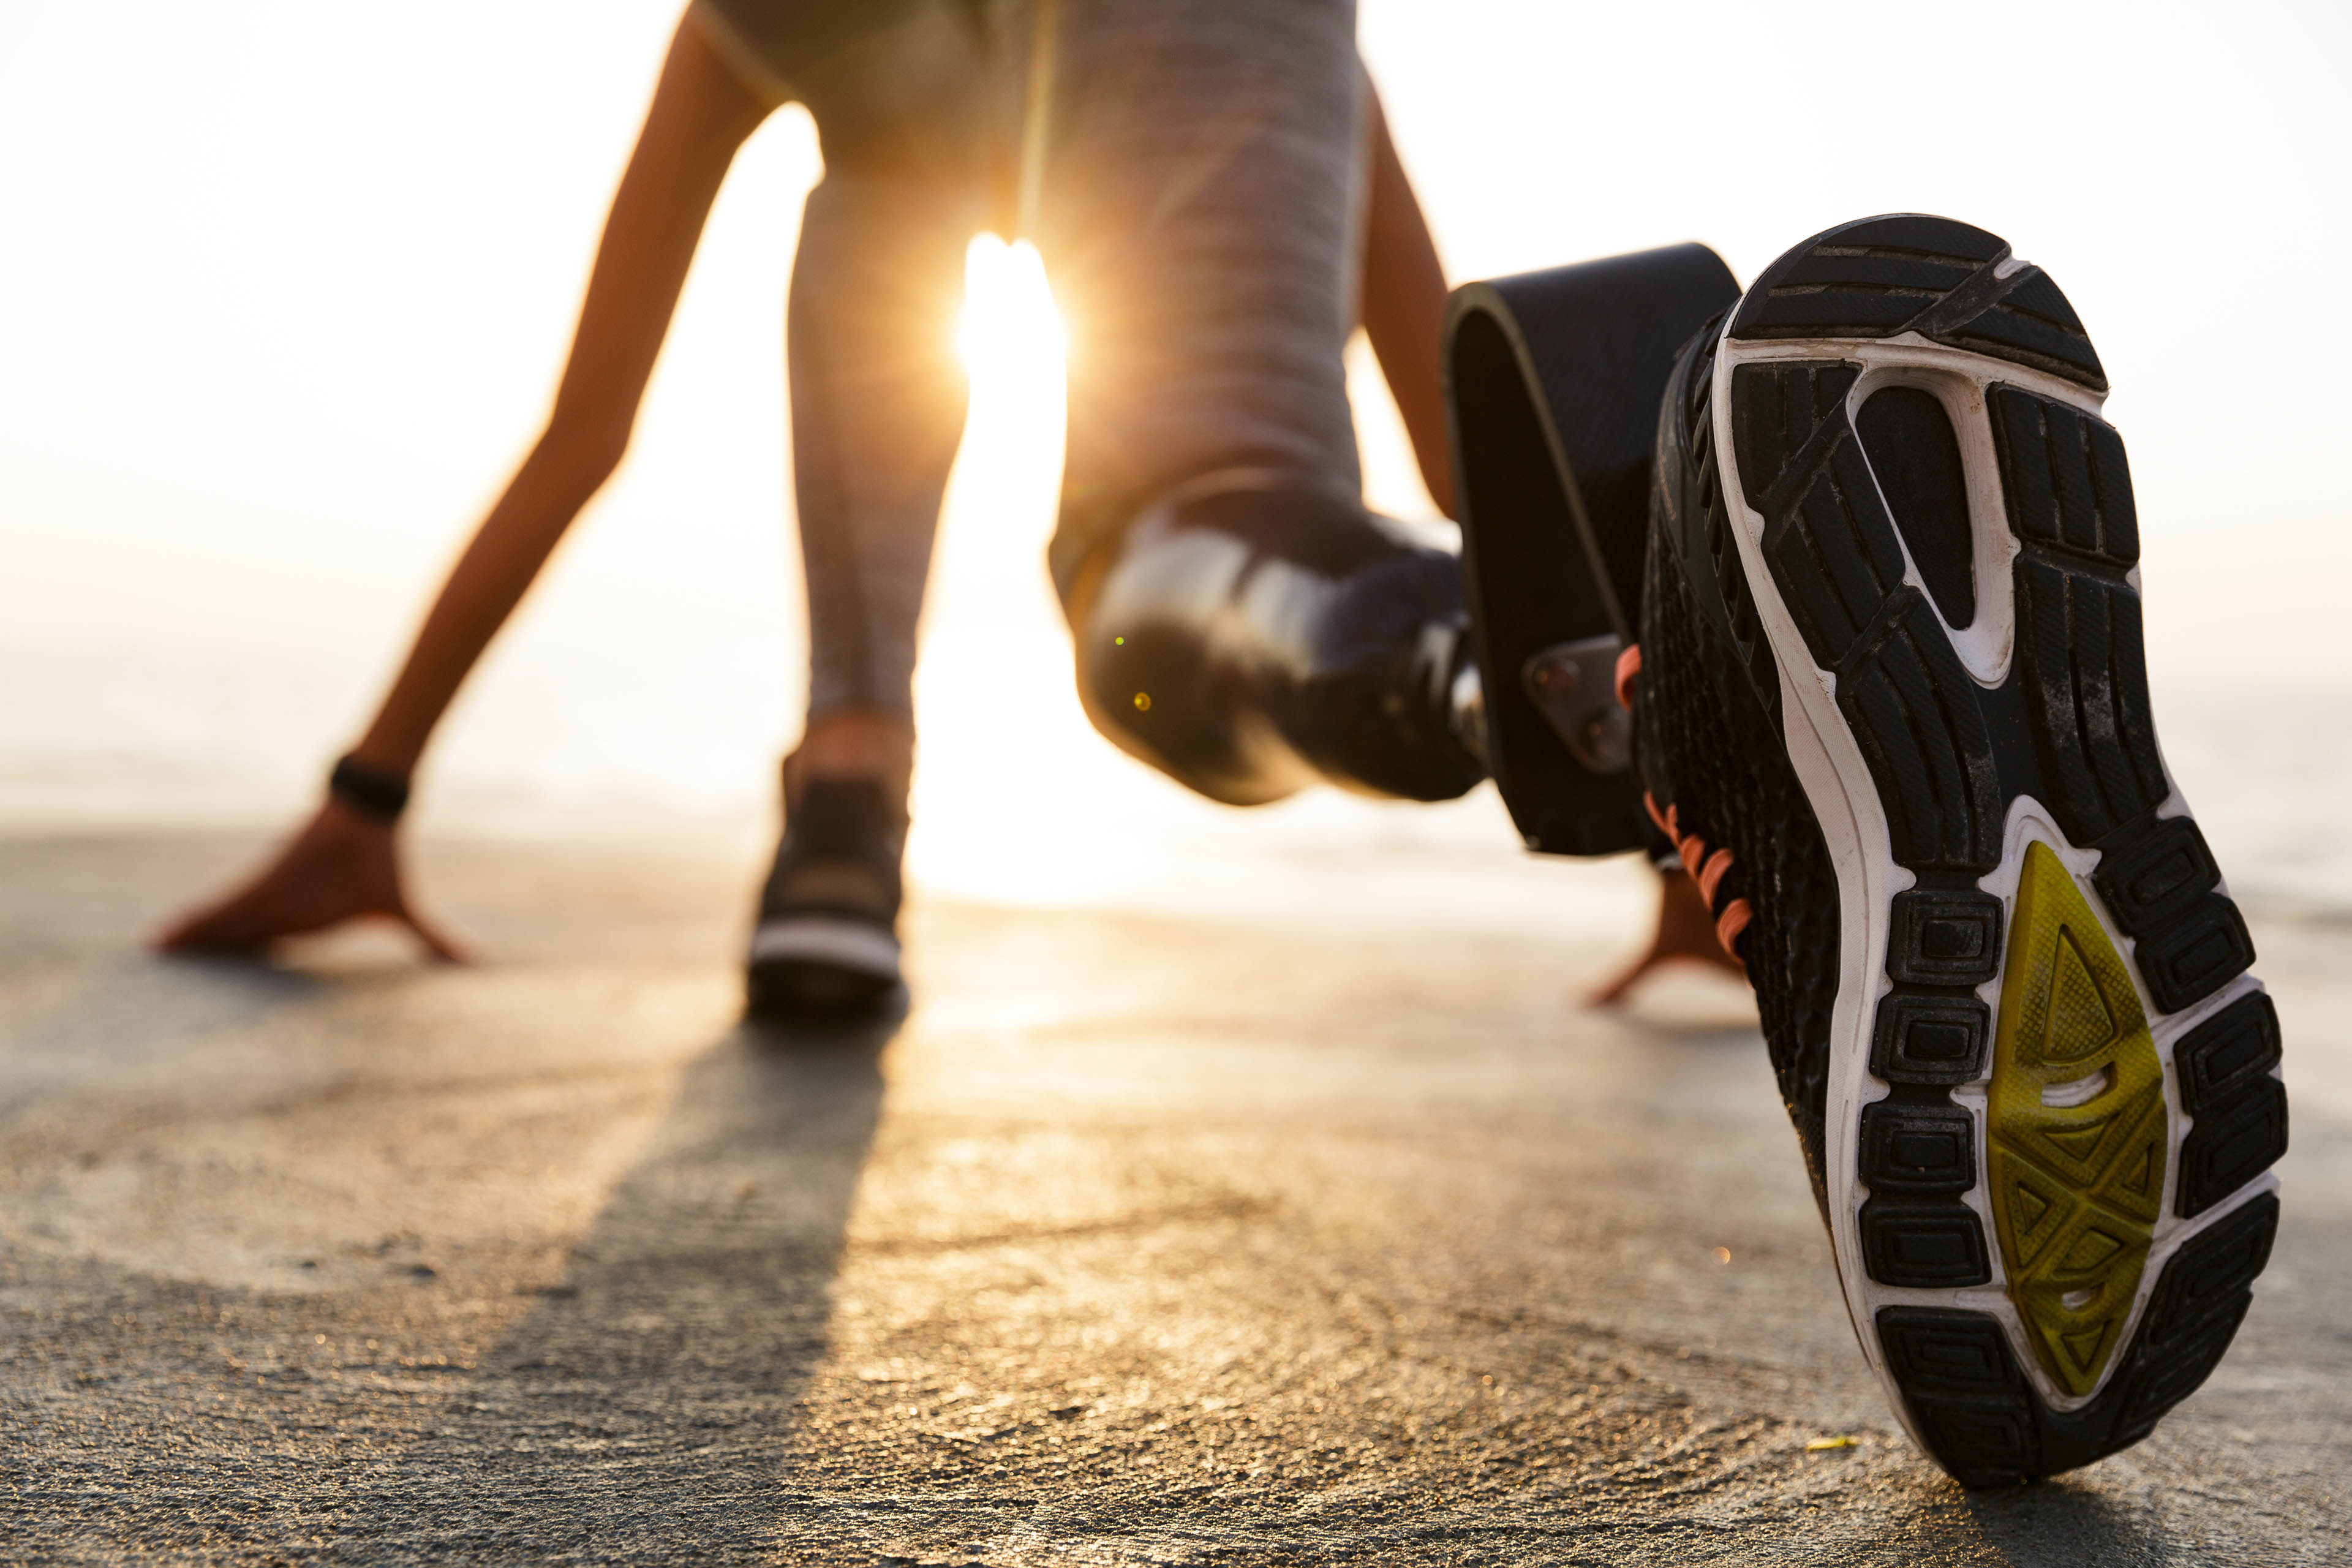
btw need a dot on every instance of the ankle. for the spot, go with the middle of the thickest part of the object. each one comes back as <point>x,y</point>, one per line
<point>853,744</point>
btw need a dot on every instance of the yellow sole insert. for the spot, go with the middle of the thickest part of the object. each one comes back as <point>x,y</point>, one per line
<point>2076,1127</point>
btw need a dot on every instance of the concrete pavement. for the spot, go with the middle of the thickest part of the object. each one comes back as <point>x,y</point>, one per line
<point>1139,1240</point>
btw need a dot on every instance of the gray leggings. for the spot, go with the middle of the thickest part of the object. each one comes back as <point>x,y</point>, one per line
<point>1198,178</point>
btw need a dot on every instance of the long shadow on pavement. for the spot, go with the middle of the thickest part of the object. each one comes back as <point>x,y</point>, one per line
<point>637,1413</point>
<point>2065,1524</point>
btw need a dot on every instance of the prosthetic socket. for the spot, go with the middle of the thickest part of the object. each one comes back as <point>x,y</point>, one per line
<point>1250,633</point>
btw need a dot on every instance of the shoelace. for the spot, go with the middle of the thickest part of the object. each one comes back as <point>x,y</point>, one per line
<point>1707,871</point>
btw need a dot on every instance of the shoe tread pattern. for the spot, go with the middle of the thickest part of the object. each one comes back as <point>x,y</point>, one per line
<point>2159,881</point>
<point>2236,1103</point>
<point>1973,1407</point>
<point>1932,1033</point>
<point>2072,726</point>
<point>1881,277</point>
<point>1922,734</point>
<point>2065,479</point>
<point>2085,681</point>
<point>1921,723</point>
<point>2075,1180</point>
<point>1834,553</point>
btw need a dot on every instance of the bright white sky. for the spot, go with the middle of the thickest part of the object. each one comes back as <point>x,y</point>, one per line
<point>287,285</point>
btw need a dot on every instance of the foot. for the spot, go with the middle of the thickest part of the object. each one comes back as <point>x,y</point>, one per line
<point>1892,686</point>
<point>826,943</point>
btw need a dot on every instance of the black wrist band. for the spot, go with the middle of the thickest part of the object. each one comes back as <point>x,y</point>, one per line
<point>368,790</point>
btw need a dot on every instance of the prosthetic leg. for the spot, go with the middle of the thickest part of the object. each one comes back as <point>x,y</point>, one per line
<point>1554,380</point>
<point>1252,631</point>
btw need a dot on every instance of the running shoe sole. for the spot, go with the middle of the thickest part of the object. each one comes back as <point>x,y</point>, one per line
<point>818,964</point>
<point>2053,1095</point>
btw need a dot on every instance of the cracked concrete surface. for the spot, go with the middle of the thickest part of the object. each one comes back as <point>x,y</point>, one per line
<point>1139,1240</point>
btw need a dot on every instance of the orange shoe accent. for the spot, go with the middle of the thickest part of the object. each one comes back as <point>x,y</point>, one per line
<point>1707,871</point>
<point>1629,664</point>
<point>1711,875</point>
<point>1731,922</point>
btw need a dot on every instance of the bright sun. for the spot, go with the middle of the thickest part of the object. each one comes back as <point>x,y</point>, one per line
<point>1010,335</point>
<point>1010,467</point>
<point>994,679</point>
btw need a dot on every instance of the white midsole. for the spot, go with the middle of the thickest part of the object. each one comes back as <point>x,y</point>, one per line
<point>1829,765</point>
<point>842,942</point>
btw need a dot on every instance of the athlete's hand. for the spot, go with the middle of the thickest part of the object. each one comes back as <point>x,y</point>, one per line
<point>342,865</point>
<point>1686,933</point>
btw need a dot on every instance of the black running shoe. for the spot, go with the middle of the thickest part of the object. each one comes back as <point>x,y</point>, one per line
<point>1893,707</point>
<point>827,940</point>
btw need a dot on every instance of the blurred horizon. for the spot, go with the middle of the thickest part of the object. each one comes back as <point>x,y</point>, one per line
<point>289,290</point>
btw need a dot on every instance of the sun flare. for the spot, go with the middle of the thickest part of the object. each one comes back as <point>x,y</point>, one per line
<point>995,677</point>
<point>1010,337</point>
<point>1009,334</point>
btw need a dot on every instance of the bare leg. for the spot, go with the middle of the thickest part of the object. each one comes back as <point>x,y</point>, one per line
<point>877,407</point>
<point>854,743</point>
<point>877,404</point>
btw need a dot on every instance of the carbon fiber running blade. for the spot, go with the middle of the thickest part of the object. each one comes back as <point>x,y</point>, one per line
<point>1553,381</point>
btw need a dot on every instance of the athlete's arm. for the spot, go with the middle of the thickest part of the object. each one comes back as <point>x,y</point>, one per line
<point>343,864</point>
<point>701,114</point>
<point>1405,306</point>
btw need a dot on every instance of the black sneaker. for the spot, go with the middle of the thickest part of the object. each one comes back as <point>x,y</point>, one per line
<point>1893,707</point>
<point>827,940</point>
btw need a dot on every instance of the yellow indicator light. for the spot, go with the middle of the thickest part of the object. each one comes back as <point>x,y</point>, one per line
<point>1143,702</point>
